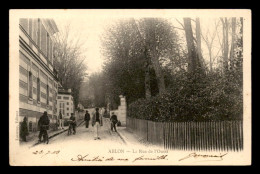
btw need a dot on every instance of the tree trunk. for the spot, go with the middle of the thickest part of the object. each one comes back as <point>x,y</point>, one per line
<point>146,64</point>
<point>233,43</point>
<point>192,57</point>
<point>198,37</point>
<point>150,42</point>
<point>147,76</point>
<point>158,73</point>
<point>225,44</point>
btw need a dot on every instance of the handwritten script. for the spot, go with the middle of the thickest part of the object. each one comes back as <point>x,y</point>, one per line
<point>205,156</point>
<point>43,153</point>
<point>100,159</point>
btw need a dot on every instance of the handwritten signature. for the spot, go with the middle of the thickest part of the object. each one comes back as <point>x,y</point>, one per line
<point>100,159</point>
<point>195,155</point>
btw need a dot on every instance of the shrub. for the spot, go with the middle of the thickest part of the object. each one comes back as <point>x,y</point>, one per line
<point>207,98</point>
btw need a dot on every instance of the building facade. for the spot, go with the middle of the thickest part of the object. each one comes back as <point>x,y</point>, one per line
<point>65,103</point>
<point>38,80</point>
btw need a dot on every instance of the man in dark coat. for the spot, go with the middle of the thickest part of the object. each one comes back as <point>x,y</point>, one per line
<point>114,121</point>
<point>73,123</point>
<point>87,118</point>
<point>24,129</point>
<point>43,123</point>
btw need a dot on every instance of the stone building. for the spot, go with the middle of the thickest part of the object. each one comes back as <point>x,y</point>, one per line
<point>65,103</point>
<point>38,80</point>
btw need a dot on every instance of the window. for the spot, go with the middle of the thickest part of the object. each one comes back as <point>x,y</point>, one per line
<point>43,40</point>
<point>34,29</point>
<point>30,84</point>
<point>50,51</point>
<point>47,94</point>
<point>65,98</point>
<point>59,97</point>
<point>48,46</point>
<point>68,103</point>
<point>38,33</point>
<point>62,108</point>
<point>68,114</point>
<point>68,109</point>
<point>38,89</point>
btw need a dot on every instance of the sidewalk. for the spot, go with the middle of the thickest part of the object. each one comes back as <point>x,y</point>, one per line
<point>131,139</point>
<point>32,138</point>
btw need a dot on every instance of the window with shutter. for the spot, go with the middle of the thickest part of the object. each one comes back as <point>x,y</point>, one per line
<point>47,94</point>
<point>30,84</point>
<point>38,33</point>
<point>38,89</point>
<point>50,52</point>
<point>48,47</point>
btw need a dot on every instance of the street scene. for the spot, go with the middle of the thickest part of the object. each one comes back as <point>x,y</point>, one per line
<point>131,89</point>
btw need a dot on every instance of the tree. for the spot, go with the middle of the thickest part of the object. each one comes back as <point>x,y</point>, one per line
<point>192,54</point>
<point>233,42</point>
<point>225,44</point>
<point>147,64</point>
<point>137,51</point>
<point>69,62</point>
<point>198,39</point>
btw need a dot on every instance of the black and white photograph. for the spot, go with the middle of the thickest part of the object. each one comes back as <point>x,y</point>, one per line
<point>129,87</point>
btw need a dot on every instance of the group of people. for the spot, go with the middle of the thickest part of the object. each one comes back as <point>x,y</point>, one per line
<point>44,122</point>
<point>97,121</point>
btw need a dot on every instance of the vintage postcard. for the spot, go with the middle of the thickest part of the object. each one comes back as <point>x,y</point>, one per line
<point>129,87</point>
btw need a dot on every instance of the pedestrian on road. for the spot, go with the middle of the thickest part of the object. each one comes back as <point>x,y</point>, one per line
<point>24,129</point>
<point>105,113</point>
<point>87,118</point>
<point>43,123</point>
<point>96,123</point>
<point>73,123</point>
<point>114,121</point>
<point>60,121</point>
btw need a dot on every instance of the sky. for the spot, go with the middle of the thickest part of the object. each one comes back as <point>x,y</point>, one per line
<point>88,25</point>
<point>89,30</point>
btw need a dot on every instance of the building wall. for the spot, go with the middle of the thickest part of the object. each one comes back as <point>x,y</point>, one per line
<point>37,83</point>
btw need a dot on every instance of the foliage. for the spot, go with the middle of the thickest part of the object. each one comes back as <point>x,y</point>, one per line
<point>124,49</point>
<point>190,95</point>
<point>211,97</point>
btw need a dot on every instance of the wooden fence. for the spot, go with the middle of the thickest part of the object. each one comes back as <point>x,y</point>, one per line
<point>209,136</point>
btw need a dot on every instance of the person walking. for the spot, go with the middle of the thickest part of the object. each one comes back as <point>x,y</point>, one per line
<point>60,121</point>
<point>43,123</point>
<point>24,129</point>
<point>96,123</point>
<point>114,121</point>
<point>87,118</point>
<point>105,113</point>
<point>73,123</point>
